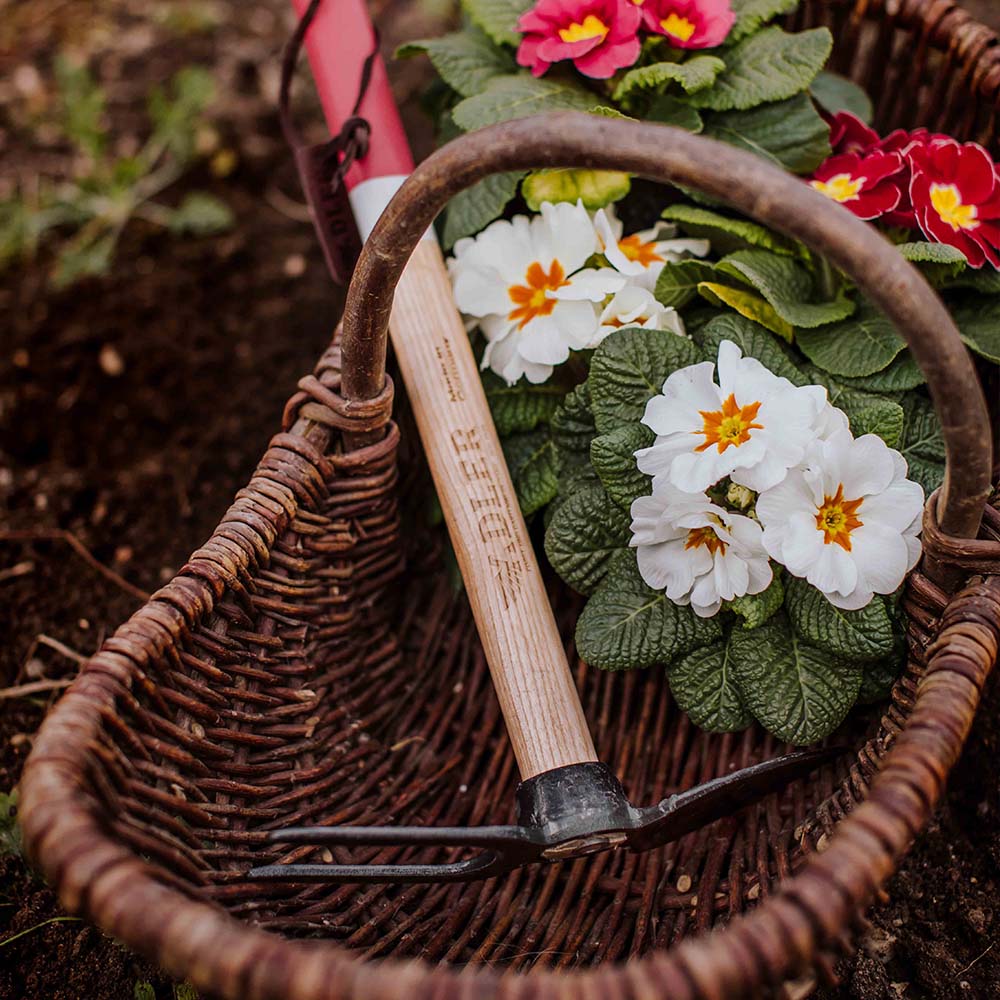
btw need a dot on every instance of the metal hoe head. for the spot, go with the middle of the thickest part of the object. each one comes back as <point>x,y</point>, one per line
<point>565,813</point>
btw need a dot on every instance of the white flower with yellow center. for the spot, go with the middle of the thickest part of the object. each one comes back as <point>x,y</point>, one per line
<point>695,551</point>
<point>752,426</point>
<point>635,306</point>
<point>847,520</point>
<point>524,283</point>
<point>641,256</point>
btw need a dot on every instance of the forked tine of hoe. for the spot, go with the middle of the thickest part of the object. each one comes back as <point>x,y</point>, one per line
<point>568,829</point>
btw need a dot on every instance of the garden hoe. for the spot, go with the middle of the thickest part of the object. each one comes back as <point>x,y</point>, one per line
<point>569,803</point>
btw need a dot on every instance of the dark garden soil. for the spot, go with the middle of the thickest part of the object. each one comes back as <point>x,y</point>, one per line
<point>132,408</point>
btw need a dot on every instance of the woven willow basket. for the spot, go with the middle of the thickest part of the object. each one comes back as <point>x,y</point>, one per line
<point>298,670</point>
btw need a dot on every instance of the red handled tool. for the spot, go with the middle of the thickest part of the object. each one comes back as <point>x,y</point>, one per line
<point>568,803</point>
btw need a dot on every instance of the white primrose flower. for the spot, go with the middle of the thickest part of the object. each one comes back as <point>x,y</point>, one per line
<point>635,306</point>
<point>641,256</point>
<point>522,282</point>
<point>697,552</point>
<point>847,520</point>
<point>753,426</point>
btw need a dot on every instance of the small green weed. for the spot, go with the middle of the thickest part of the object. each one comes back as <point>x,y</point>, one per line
<point>91,209</point>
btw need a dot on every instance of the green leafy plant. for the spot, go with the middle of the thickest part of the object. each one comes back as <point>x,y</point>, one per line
<point>85,215</point>
<point>786,657</point>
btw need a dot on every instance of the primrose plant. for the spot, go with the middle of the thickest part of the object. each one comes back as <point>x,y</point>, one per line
<point>85,215</point>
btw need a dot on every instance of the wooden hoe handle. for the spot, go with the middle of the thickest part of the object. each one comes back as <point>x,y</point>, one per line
<point>523,647</point>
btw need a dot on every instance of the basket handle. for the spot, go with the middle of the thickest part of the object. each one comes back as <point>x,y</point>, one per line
<point>745,181</point>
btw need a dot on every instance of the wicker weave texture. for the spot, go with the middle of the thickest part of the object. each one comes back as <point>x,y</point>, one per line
<point>294,673</point>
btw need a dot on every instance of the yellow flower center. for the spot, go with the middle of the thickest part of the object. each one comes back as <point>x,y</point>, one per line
<point>635,250</point>
<point>532,298</point>
<point>841,188</point>
<point>707,537</point>
<point>678,27</point>
<point>729,426</point>
<point>947,202</point>
<point>837,518</point>
<point>582,31</point>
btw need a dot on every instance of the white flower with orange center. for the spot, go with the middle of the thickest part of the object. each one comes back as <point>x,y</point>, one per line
<point>752,426</point>
<point>847,520</point>
<point>635,306</point>
<point>641,256</point>
<point>524,284</point>
<point>695,551</point>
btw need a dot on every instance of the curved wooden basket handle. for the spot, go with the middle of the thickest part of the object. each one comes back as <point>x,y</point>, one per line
<point>745,181</point>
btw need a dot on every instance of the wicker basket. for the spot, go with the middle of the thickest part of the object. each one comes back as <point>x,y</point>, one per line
<point>292,674</point>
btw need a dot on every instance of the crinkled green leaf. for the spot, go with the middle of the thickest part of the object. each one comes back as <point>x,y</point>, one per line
<point>756,609</point>
<point>531,460</point>
<point>877,679</point>
<point>923,435</point>
<point>498,18</point>
<point>747,304</point>
<point>902,374</point>
<point>754,14</point>
<point>629,368</point>
<point>797,692</point>
<point>678,282</point>
<point>572,427</point>
<point>788,133</point>
<point>476,207</point>
<point>596,188</point>
<point>522,406</point>
<point>704,686</point>
<point>694,74</point>
<point>835,93</point>
<point>937,262</point>
<point>922,442</point>
<point>862,345</point>
<point>727,234</point>
<point>466,60</point>
<point>668,110</point>
<point>201,214</point>
<point>933,253</point>
<point>854,635</point>
<point>613,458</point>
<point>586,530</point>
<point>753,340</point>
<point>626,625</point>
<point>787,286</point>
<point>508,97</point>
<point>771,65</point>
<point>978,320</point>
<point>885,421</point>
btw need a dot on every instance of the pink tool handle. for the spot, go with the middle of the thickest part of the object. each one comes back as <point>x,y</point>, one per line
<point>338,41</point>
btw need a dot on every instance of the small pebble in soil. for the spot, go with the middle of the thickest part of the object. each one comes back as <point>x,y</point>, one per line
<point>111,361</point>
<point>295,265</point>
